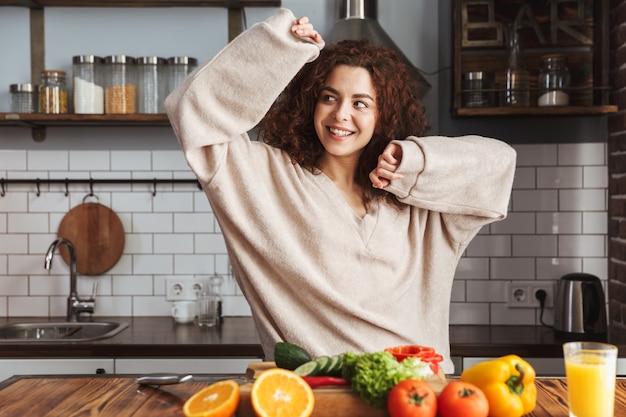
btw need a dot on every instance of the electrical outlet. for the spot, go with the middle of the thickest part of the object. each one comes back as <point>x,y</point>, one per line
<point>522,294</point>
<point>177,289</point>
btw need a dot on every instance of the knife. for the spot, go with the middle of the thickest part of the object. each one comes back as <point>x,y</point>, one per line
<point>171,379</point>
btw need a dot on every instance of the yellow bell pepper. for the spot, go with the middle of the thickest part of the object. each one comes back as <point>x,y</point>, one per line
<point>507,382</point>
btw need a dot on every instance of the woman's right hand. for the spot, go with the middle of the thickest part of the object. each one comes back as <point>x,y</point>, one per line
<point>304,29</point>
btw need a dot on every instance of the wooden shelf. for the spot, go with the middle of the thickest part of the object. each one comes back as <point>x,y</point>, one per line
<point>45,120</point>
<point>237,4</point>
<point>579,30</point>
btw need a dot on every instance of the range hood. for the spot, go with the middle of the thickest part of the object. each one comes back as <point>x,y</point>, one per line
<point>357,19</point>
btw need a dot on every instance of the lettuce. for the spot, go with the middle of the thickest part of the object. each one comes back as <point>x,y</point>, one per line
<point>373,375</point>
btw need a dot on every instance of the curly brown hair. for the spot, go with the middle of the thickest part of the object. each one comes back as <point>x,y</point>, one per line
<point>289,125</point>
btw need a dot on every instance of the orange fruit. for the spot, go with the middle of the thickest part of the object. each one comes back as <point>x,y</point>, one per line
<point>279,392</point>
<point>220,399</point>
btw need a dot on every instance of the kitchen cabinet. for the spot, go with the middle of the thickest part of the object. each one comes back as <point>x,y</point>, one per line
<point>232,366</point>
<point>39,122</point>
<point>543,366</point>
<point>577,29</point>
<point>60,366</point>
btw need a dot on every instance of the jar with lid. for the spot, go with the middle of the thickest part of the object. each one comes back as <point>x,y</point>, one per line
<point>120,85</point>
<point>478,89</point>
<point>553,81</point>
<point>88,86</point>
<point>53,96</point>
<point>23,98</point>
<point>179,67</point>
<point>151,84</point>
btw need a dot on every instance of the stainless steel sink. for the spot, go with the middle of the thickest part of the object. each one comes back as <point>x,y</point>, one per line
<point>59,331</point>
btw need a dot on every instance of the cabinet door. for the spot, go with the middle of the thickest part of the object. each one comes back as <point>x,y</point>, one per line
<point>543,366</point>
<point>10,367</point>
<point>233,366</point>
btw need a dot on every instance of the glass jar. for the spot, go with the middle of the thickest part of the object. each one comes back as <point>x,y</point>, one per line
<point>151,84</point>
<point>178,68</point>
<point>23,98</point>
<point>53,97</point>
<point>120,85</point>
<point>553,81</point>
<point>478,89</point>
<point>88,86</point>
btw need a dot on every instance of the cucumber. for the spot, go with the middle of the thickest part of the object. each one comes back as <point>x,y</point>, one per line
<point>310,368</point>
<point>290,356</point>
<point>324,362</point>
<point>335,366</point>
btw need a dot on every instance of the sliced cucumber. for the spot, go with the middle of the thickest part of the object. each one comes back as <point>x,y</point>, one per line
<point>335,366</point>
<point>324,362</point>
<point>310,368</point>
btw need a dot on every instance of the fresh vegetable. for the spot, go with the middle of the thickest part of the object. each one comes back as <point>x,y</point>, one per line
<point>323,381</point>
<point>323,365</point>
<point>460,398</point>
<point>290,356</point>
<point>373,375</point>
<point>424,353</point>
<point>508,383</point>
<point>412,398</point>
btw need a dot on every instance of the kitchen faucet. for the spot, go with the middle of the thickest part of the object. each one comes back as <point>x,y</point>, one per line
<point>75,305</point>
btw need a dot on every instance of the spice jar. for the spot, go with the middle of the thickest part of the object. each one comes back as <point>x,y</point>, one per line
<point>553,81</point>
<point>178,68</point>
<point>151,84</point>
<point>478,89</point>
<point>88,84</point>
<point>23,98</point>
<point>53,92</point>
<point>120,85</point>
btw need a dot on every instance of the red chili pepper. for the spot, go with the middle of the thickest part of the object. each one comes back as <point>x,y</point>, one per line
<point>321,381</point>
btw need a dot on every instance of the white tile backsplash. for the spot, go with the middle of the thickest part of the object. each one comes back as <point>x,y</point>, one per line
<point>557,224</point>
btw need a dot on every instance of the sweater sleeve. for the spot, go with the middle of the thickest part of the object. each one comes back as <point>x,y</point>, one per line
<point>468,175</point>
<point>229,95</point>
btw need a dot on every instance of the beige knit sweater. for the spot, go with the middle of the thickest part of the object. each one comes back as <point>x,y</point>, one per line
<point>314,273</point>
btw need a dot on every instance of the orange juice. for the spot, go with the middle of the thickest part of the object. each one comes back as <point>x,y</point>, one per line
<point>590,385</point>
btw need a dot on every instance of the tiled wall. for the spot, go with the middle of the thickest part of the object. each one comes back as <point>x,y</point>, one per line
<point>557,224</point>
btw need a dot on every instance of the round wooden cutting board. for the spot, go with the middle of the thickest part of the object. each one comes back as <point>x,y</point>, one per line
<point>98,237</point>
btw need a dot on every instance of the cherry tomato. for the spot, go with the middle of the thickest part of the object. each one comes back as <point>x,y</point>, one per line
<point>460,398</point>
<point>412,398</point>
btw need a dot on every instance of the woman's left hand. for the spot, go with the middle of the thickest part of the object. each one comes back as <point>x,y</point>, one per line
<point>304,29</point>
<point>388,163</point>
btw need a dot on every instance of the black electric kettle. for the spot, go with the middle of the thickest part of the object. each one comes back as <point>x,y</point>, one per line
<point>580,306</point>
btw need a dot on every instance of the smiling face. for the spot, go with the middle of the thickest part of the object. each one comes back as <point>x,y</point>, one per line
<point>346,113</point>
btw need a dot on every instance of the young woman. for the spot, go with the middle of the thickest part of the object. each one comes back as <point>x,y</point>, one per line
<point>344,225</point>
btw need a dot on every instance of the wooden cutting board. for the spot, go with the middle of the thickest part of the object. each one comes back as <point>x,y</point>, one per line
<point>329,401</point>
<point>97,235</point>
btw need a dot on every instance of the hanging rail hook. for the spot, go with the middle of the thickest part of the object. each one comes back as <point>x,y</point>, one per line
<point>38,189</point>
<point>67,185</point>
<point>154,187</point>
<point>2,190</point>
<point>90,187</point>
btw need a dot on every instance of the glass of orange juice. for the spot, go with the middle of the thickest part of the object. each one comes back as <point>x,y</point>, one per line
<point>590,368</point>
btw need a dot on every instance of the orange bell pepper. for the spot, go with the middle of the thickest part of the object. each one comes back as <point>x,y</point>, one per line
<point>507,382</point>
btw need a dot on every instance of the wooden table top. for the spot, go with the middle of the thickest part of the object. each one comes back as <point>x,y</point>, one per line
<point>120,396</point>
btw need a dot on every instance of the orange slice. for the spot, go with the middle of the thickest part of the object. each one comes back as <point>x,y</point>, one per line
<point>279,392</point>
<point>220,399</point>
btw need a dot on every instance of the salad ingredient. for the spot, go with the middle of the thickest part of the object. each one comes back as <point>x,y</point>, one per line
<point>412,398</point>
<point>460,398</point>
<point>508,383</point>
<point>424,353</point>
<point>290,356</point>
<point>323,365</point>
<point>324,381</point>
<point>373,375</point>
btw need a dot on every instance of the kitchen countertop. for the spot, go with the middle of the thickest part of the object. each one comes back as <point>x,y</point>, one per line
<point>160,337</point>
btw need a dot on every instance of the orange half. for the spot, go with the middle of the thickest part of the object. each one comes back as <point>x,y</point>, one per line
<point>279,392</point>
<point>220,399</point>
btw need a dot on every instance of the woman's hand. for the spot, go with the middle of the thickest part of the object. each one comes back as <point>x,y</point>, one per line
<point>304,29</point>
<point>388,163</point>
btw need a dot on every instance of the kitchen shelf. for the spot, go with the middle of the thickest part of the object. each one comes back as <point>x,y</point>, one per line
<point>39,122</point>
<point>578,29</point>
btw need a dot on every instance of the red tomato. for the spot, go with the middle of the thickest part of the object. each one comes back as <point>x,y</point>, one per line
<point>412,398</point>
<point>460,398</point>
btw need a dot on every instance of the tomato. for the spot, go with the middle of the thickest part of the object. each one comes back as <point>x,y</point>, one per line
<point>460,398</point>
<point>424,353</point>
<point>412,398</point>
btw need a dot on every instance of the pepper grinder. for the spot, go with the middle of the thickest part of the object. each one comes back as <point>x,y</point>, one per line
<point>215,287</point>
